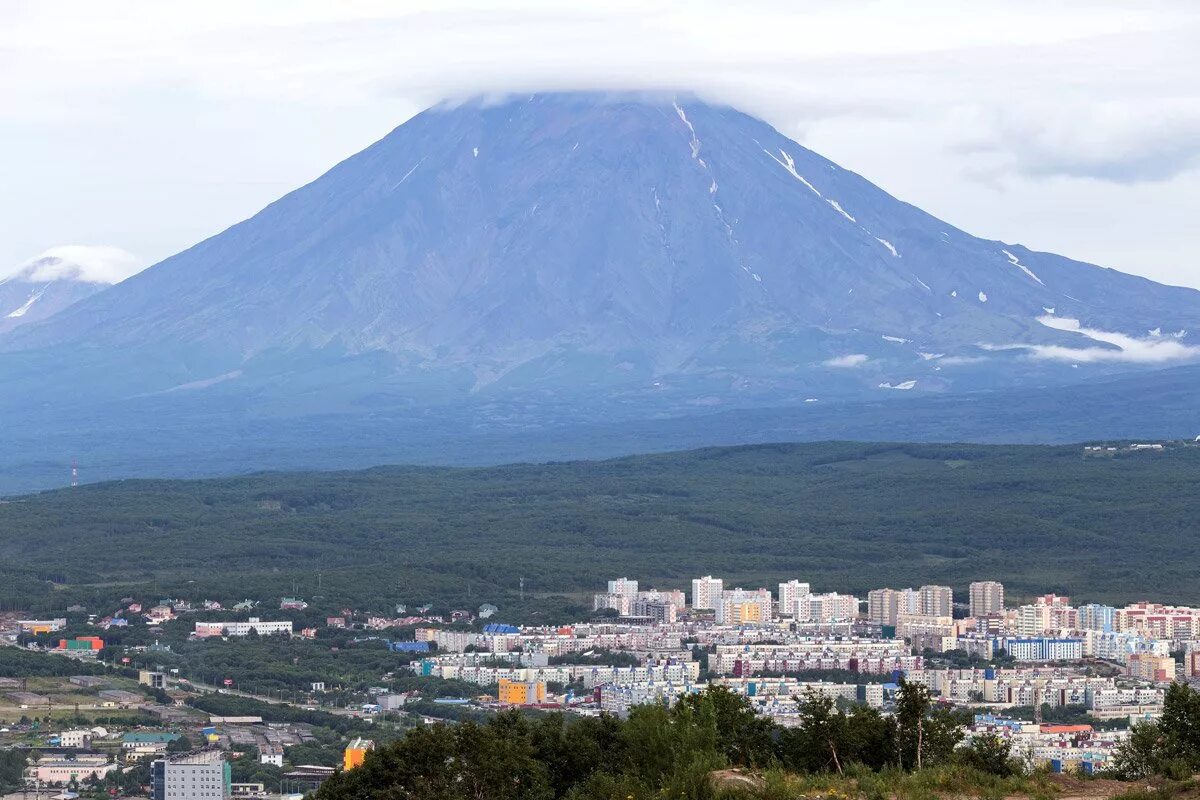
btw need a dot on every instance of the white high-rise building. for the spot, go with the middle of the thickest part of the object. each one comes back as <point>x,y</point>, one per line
<point>201,775</point>
<point>789,593</point>
<point>706,591</point>
<point>986,597</point>
<point>1048,613</point>
<point>830,607</point>
<point>623,586</point>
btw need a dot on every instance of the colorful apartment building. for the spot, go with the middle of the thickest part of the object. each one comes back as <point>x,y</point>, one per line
<point>356,752</point>
<point>521,693</point>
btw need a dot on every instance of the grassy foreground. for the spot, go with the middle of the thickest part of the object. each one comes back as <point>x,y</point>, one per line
<point>938,783</point>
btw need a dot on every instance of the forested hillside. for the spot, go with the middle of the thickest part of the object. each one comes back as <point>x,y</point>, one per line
<point>843,516</point>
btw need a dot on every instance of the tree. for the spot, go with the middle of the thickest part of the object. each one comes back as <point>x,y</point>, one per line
<point>1170,746</point>
<point>871,738</point>
<point>495,761</point>
<point>925,735</point>
<point>574,749</point>
<point>1139,755</point>
<point>180,745</point>
<point>659,742</point>
<point>745,737</point>
<point>814,744</point>
<point>12,769</point>
<point>989,753</point>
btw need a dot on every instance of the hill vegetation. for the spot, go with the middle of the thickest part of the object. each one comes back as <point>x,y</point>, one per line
<point>712,745</point>
<point>843,516</point>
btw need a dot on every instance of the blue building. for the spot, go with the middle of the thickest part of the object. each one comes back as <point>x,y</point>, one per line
<point>1096,617</point>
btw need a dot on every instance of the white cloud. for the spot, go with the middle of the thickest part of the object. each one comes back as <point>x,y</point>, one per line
<point>850,360</point>
<point>81,262</point>
<point>1150,140</point>
<point>102,99</point>
<point>1150,349</point>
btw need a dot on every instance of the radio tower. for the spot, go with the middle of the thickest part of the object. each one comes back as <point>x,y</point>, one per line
<point>74,473</point>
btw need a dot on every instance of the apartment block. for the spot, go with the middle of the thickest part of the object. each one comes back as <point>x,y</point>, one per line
<point>1150,667</point>
<point>829,607</point>
<point>986,597</point>
<point>623,586</point>
<point>521,693</point>
<point>657,611</point>
<point>742,606</point>
<point>1044,649</point>
<point>789,593</point>
<point>200,775</point>
<point>672,596</point>
<point>706,592</point>
<point>884,606</point>
<point>356,753</point>
<point>621,603</point>
<point>254,624</point>
<point>935,601</point>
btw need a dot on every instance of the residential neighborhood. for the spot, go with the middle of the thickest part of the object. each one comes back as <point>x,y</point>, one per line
<point>1061,682</point>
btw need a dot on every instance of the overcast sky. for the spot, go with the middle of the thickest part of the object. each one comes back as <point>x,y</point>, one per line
<point>1065,126</point>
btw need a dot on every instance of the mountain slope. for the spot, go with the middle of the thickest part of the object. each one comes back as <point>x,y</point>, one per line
<point>564,274</point>
<point>562,242</point>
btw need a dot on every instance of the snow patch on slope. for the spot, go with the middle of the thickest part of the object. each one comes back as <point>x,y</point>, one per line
<point>892,249</point>
<point>20,312</point>
<point>840,210</point>
<point>903,386</point>
<point>1016,262</point>
<point>409,173</point>
<point>695,142</point>
<point>789,164</point>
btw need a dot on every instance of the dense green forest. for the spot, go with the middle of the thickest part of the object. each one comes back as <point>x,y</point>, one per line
<point>843,516</point>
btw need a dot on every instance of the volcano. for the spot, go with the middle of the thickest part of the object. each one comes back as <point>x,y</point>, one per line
<point>600,255</point>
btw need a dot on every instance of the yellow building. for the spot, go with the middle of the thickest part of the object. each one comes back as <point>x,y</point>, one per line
<point>521,693</point>
<point>746,612</point>
<point>356,753</point>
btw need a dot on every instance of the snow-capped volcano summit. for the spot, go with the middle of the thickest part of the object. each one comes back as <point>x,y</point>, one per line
<point>663,252</point>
